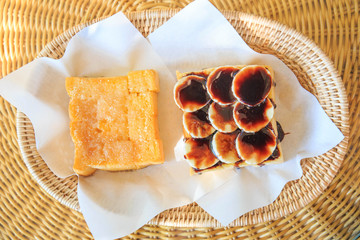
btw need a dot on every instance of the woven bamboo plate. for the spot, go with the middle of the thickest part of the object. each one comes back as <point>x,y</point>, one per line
<point>311,66</point>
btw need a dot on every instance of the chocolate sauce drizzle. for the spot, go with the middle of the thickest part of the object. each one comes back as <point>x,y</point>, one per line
<point>193,93</point>
<point>219,85</point>
<point>252,118</point>
<point>281,133</point>
<point>251,86</point>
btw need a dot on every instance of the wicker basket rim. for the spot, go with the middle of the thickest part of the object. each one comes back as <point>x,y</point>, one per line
<point>37,169</point>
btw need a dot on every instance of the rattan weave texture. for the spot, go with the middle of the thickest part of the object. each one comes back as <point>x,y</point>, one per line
<point>28,212</point>
<point>314,71</point>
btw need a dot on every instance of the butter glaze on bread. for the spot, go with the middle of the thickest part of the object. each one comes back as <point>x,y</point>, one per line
<point>113,122</point>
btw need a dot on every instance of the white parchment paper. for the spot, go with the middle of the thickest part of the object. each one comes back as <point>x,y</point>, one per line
<point>201,37</point>
<point>116,204</point>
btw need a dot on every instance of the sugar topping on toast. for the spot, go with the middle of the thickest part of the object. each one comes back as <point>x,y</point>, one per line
<point>113,122</point>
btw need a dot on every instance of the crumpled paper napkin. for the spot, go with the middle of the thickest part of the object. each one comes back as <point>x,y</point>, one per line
<point>116,204</point>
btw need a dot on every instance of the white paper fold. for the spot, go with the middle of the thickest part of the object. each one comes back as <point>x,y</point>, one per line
<point>116,204</point>
<point>113,204</point>
<point>201,37</point>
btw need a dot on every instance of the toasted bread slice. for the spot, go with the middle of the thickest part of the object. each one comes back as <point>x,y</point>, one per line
<point>143,81</point>
<point>272,125</point>
<point>143,128</point>
<point>113,122</point>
